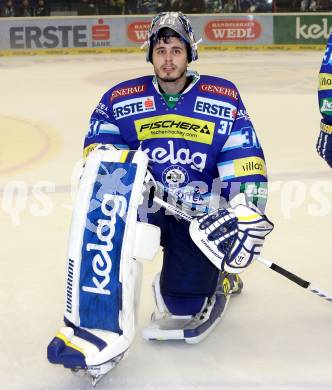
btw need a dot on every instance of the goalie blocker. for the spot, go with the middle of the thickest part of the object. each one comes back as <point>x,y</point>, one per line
<point>103,277</point>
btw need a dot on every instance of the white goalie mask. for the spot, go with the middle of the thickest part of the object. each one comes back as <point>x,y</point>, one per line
<point>177,22</point>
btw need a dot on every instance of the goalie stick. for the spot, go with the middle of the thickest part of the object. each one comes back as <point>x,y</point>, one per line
<point>275,267</point>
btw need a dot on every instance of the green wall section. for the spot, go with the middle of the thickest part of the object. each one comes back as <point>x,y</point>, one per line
<point>301,29</point>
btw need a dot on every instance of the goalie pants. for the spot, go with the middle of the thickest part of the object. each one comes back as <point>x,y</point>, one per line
<point>187,276</point>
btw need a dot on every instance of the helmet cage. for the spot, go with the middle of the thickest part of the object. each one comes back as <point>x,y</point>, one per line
<point>177,22</point>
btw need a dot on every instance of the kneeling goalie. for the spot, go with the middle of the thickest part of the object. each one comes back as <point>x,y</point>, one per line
<point>191,137</point>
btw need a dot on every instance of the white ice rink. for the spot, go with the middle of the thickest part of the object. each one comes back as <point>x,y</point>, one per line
<point>274,336</point>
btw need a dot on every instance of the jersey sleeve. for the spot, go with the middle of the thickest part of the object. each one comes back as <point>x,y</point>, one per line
<point>103,128</point>
<point>325,85</point>
<point>324,142</point>
<point>241,162</point>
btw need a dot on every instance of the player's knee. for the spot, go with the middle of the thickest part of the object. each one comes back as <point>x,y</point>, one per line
<point>183,306</point>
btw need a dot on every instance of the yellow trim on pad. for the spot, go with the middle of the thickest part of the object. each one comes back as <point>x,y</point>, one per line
<point>62,337</point>
<point>249,217</point>
<point>124,156</point>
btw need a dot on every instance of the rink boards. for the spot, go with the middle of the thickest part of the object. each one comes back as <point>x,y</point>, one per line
<point>103,34</point>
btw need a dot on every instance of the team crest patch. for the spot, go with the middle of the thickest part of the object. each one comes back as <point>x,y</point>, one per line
<point>174,177</point>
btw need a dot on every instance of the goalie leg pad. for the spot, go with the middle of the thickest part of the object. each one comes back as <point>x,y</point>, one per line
<point>103,277</point>
<point>191,328</point>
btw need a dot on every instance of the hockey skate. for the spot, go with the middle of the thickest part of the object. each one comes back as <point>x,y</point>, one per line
<point>97,373</point>
<point>77,352</point>
<point>191,329</point>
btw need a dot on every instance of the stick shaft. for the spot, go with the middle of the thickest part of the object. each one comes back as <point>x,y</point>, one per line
<point>275,267</point>
<point>294,278</point>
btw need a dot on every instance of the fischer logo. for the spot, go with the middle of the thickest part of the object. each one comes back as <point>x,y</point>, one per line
<point>128,91</point>
<point>312,31</point>
<point>102,262</point>
<point>233,30</point>
<point>175,126</point>
<point>101,34</point>
<point>138,31</point>
<point>133,106</point>
<point>182,156</point>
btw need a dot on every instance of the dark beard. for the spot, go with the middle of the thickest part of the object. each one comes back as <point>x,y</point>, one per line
<point>171,79</point>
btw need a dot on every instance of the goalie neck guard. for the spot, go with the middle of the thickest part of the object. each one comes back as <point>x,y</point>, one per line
<point>177,22</point>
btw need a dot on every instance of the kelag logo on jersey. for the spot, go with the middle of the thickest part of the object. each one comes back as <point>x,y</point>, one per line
<point>215,108</point>
<point>133,106</point>
<point>175,126</point>
<point>173,155</point>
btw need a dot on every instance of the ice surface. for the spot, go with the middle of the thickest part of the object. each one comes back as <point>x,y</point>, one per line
<point>274,336</point>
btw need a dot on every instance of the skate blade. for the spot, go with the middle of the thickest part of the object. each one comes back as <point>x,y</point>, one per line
<point>97,373</point>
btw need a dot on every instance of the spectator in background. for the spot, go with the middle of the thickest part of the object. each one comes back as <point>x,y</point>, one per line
<point>25,9</point>
<point>245,6</point>
<point>41,9</point>
<point>86,7</point>
<point>177,5</point>
<point>304,5</point>
<point>147,7</point>
<point>213,6</point>
<point>118,7</point>
<point>313,6</point>
<point>260,6</point>
<point>163,5</point>
<point>230,6</point>
<point>131,7</point>
<point>8,10</point>
<point>194,7</point>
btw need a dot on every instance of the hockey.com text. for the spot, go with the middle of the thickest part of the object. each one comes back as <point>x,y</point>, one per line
<point>101,261</point>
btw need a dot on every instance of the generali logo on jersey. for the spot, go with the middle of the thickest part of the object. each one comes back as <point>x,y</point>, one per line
<point>233,30</point>
<point>138,31</point>
<point>136,89</point>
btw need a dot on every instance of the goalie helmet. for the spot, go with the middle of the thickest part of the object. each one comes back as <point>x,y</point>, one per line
<point>177,22</point>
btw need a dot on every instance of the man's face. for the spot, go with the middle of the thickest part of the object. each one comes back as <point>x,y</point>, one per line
<point>170,59</point>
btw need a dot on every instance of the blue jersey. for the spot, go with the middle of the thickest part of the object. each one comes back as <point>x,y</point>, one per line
<point>325,85</point>
<point>324,143</point>
<point>196,147</point>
